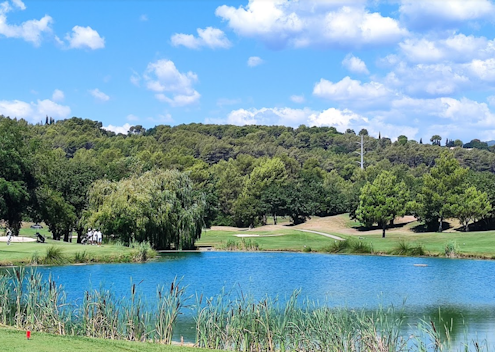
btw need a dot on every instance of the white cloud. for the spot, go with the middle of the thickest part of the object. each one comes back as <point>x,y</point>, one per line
<point>352,90</point>
<point>31,30</point>
<point>269,116</point>
<point>163,77</point>
<point>209,37</point>
<point>298,99</point>
<point>118,129</point>
<point>483,69</point>
<point>355,64</point>
<point>282,23</point>
<point>254,61</point>
<point>420,14</point>
<point>99,95</point>
<point>340,119</point>
<point>457,48</point>
<point>58,95</point>
<point>428,80</point>
<point>33,111</point>
<point>491,100</point>
<point>85,37</point>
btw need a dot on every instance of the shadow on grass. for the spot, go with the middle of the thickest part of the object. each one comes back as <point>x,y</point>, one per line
<point>360,227</point>
<point>431,227</point>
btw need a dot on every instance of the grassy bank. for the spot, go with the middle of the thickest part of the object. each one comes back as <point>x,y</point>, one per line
<point>279,240</point>
<point>59,252</point>
<point>401,240</point>
<point>15,340</point>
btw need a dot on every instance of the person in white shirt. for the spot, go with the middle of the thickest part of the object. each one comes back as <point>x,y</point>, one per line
<point>99,237</point>
<point>9,237</point>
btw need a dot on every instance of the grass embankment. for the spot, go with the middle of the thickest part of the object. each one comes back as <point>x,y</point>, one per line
<point>15,340</point>
<point>403,239</point>
<point>280,240</point>
<point>59,252</point>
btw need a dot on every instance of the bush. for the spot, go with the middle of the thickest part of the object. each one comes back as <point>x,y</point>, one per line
<point>451,249</point>
<point>404,248</point>
<point>54,255</point>
<point>349,246</point>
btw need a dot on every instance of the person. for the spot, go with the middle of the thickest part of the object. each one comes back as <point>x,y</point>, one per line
<point>99,237</point>
<point>9,237</point>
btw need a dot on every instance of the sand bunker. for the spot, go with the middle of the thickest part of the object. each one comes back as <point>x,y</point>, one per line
<point>245,235</point>
<point>17,239</point>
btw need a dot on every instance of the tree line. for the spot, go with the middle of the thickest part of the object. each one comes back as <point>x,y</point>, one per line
<point>163,184</point>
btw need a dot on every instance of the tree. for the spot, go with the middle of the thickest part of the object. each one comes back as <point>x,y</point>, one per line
<point>441,191</point>
<point>473,206</point>
<point>16,179</point>
<point>363,132</point>
<point>402,140</point>
<point>435,139</point>
<point>159,206</point>
<point>382,201</point>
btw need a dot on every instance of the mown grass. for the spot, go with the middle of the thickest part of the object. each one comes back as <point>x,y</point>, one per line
<point>283,240</point>
<point>59,252</point>
<point>15,340</point>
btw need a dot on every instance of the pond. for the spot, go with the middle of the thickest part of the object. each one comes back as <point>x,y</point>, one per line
<point>462,290</point>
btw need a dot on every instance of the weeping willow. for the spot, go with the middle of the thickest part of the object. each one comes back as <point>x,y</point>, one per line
<point>159,206</point>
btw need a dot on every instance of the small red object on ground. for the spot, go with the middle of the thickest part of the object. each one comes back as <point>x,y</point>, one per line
<point>28,334</point>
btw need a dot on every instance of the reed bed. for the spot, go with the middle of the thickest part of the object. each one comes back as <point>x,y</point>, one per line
<point>242,245</point>
<point>28,301</point>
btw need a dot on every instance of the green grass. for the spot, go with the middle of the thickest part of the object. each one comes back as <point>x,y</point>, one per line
<point>289,240</point>
<point>15,340</point>
<point>475,244</point>
<point>22,253</point>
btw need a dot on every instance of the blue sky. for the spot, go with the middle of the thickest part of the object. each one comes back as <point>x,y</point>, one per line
<point>409,67</point>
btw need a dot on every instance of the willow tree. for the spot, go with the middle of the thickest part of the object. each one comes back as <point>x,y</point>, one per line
<point>159,206</point>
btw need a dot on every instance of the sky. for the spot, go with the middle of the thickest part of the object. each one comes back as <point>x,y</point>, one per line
<point>397,67</point>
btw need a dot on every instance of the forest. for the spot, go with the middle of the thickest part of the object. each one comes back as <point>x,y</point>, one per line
<point>166,183</point>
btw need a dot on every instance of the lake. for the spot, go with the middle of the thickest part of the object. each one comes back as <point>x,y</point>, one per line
<point>462,290</point>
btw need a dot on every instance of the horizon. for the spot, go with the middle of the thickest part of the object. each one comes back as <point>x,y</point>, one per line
<point>399,67</point>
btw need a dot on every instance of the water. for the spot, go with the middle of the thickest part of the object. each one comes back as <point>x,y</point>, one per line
<point>462,290</point>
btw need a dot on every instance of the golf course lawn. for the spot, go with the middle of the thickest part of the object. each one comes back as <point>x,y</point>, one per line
<point>15,340</point>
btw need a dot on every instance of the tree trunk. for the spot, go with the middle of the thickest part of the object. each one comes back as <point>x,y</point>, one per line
<point>384,226</point>
<point>440,225</point>
<point>466,227</point>
<point>274,219</point>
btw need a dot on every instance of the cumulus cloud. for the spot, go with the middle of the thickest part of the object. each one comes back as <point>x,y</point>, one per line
<point>340,119</point>
<point>99,95</point>
<point>268,116</point>
<point>31,31</point>
<point>421,14</point>
<point>352,90</point>
<point>254,61</point>
<point>33,111</point>
<point>209,37</point>
<point>170,85</point>
<point>118,129</point>
<point>85,37</point>
<point>283,23</point>
<point>355,64</point>
<point>58,95</point>
<point>457,48</point>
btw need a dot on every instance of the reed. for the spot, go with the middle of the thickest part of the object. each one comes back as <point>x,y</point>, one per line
<point>54,255</point>
<point>242,245</point>
<point>404,248</point>
<point>350,246</point>
<point>28,301</point>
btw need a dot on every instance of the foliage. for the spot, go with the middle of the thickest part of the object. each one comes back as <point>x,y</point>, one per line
<point>158,206</point>
<point>441,191</point>
<point>382,201</point>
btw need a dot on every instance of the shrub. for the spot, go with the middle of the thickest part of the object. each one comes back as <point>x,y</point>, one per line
<point>54,255</point>
<point>451,249</point>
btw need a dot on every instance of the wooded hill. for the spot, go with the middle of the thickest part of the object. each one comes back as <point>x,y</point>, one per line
<point>71,173</point>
